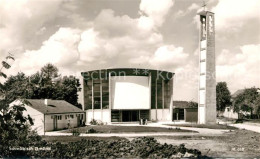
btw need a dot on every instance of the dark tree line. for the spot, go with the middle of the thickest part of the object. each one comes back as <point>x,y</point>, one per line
<point>15,127</point>
<point>223,96</point>
<point>248,100</point>
<point>44,84</point>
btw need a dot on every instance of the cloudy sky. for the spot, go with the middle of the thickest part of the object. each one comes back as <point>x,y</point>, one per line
<point>80,35</point>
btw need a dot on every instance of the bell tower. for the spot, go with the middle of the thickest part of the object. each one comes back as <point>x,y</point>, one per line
<point>207,71</point>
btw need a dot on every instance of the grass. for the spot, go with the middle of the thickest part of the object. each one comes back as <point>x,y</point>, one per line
<point>125,129</point>
<point>217,126</point>
<point>253,120</point>
<point>66,139</point>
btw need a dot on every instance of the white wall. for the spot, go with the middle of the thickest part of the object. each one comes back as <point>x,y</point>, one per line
<point>63,123</point>
<point>203,67</point>
<point>161,115</point>
<point>203,55</point>
<point>202,81</point>
<point>203,44</point>
<point>103,115</point>
<point>201,115</point>
<point>202,97</point>
<point>230,113</point>
<point>130,92</point>
<point>37,119</point>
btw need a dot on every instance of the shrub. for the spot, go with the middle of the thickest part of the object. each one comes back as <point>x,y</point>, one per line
<point>141,147</point>
<point>93,122</point>
<point>239,121</point>
<point>75,132</point>
<point>91,130</point>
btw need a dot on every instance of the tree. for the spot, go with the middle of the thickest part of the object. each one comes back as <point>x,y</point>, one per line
<point>14,126</point>
<point>46,84</point>
<point>247,101</point>
<point>49,72</point>
<point>257,106</point>
<point>192,104</point>
<point>17,87</point>
<point>67,88</point>
<point>223,96</point>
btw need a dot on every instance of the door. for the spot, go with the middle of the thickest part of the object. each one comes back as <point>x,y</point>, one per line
<point>78,120</point>
<point>55,122</point>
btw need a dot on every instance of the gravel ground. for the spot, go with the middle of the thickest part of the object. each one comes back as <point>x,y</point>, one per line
<point>237,143</point>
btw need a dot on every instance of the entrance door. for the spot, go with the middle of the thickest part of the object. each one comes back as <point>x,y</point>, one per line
<point>55,122</point>
<point>178,114</point>
<point>130,115</point>
<point>78,120</point>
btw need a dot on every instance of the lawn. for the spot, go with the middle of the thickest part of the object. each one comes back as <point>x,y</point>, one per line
<point>125,129</point>
<point>66,139</point>
<point>216,126</point>
<point>253,120</point>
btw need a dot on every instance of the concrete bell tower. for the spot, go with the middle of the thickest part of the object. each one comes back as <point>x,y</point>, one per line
<point>207,73</point>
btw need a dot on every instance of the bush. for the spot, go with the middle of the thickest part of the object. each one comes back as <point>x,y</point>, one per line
<point>91,130</point>
<point>96,122</point>
<point>141,147</point>
<point>93,122</point>
<point>239,121</point>
<point>75,132</point>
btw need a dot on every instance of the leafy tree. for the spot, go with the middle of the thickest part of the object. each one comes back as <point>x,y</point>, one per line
<point>193,104</point>
<point>67,89</point>
<point>247,101</point>
<point>17,87</point>
<point>257,106</point>
<point>223,96</point>
<point>46,84</point>
<point>49,72</point>
<point>14,126</point>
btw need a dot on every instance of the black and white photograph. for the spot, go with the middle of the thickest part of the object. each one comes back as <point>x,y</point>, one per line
<point>130,79</point>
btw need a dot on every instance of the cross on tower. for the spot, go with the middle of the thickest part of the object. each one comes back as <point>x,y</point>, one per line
<point>204,5</point>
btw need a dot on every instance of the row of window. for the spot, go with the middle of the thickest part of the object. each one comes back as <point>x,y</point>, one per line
<point>69,116</point>
<point>160,89</point>
<point>100,94</point>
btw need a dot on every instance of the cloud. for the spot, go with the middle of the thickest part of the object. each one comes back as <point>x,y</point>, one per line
<point>93,48</point>
<point>21,19</point>
<point>156,10</point>
<point>182,13</point>
<point>193,6</point>
<point>169,55</point>
<point>242,67</point>
<point>111,25</point>
<point>233,14</point>
<point>60,49</point>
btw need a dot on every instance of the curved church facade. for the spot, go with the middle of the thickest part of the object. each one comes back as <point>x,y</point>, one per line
<point>127,95</point>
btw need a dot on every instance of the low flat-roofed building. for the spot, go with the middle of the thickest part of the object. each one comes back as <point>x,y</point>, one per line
<point>51,115</point>
<point>182,111</point>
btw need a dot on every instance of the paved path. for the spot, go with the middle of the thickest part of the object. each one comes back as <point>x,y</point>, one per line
<point>248,126</point>
<point>199,131</point>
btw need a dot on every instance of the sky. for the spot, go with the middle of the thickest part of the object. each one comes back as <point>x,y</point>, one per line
<point>82,35</point>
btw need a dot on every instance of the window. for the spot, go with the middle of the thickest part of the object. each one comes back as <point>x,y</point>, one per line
<point>59,117</point>
<point>71,116</point>
<point>159,94</point>
<point>97,100</point>
<point>167,94</point>
<point>88,94</point>
<point>105,94</point>
<point>153,93</point>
